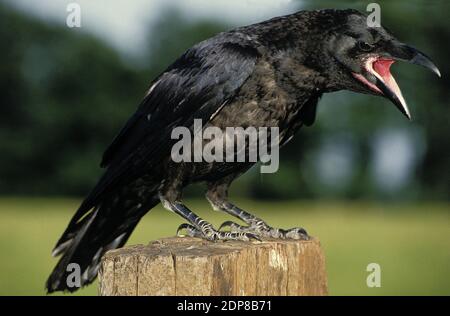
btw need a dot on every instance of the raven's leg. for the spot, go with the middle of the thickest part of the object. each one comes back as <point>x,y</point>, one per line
<point>217,195</point>
<point>198,227</point>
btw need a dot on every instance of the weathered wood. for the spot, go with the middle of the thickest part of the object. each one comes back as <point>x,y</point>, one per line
<point>191,266</point>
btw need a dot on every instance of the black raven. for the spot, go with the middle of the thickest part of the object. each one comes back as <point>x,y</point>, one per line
<point>266,74</point>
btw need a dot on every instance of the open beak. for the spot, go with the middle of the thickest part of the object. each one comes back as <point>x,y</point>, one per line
<point>377,76</point>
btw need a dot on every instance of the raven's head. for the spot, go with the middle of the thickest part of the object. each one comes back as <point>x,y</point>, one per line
<point>360,57</point>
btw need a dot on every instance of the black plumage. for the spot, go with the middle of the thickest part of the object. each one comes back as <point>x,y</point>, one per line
<point>269,74</point>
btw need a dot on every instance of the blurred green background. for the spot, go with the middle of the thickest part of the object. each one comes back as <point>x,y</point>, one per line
<point>370,185</point>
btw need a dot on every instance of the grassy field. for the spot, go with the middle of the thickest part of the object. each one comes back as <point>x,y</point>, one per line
<point>411,243</point>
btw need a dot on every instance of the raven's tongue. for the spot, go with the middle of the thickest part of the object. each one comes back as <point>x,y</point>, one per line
<point>382,68</point>
<point>385,84</point>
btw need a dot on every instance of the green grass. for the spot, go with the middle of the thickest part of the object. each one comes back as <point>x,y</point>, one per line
<point>411,243</point>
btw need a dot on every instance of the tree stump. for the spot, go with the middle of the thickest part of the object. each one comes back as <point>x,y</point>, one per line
<point>191,266</point>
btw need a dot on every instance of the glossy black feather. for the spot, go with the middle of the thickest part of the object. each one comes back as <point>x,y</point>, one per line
<point>203,79</point>
<point>199,82</point>
<point>269,74</point>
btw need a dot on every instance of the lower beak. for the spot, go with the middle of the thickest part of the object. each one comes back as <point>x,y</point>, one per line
<point>393,93</point>
<point>381,78</point>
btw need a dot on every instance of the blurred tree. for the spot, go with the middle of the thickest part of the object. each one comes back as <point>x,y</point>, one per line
<point>366,117</point>
<point>174,33</point>
<point>65,94</point>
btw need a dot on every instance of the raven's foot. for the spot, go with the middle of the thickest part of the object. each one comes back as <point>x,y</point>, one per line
<point>206,231</point>
<point>261,229</point>
<point>197,227</point>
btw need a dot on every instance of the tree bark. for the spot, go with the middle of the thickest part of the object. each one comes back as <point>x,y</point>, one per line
<point>191,266</point>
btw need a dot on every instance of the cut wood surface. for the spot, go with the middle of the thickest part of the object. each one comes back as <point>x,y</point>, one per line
<point>192,266</point>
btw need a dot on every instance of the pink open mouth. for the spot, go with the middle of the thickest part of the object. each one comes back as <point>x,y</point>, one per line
<point>380,68</point>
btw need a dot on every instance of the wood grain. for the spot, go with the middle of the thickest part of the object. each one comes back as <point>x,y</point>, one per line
<point>191,266</point>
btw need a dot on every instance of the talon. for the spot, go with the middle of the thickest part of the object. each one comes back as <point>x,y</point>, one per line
<point>297,233</point>
<point>180,228</point>
<point>226,224</point>
<point>232,225</point>
<point>191,231</point>
<point>303,232</point>
<point>253,236</point>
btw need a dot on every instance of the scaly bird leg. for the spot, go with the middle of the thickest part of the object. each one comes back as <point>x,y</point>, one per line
<point>217,196</point>
<point>197,227</point>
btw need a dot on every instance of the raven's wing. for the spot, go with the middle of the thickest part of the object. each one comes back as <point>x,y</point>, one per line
<point>196,86</point>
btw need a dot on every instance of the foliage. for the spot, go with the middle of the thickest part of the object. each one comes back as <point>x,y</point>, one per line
<point>65,95</point>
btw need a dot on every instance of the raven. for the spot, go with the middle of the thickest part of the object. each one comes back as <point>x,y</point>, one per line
<point>267,74</point>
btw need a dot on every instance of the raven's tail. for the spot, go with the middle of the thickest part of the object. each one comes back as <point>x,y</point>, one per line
<point>91,233</point>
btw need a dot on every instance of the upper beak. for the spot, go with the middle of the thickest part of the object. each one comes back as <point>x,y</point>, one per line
<point>409,54</point>
<point>386,83</point>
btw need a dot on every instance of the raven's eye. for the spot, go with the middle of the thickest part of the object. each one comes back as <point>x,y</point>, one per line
<point>365,47</point>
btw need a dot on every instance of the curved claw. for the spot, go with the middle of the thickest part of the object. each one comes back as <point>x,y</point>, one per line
<point>296,233</point>
<point>253,236</point>
<point>190,230</point>
<point>299,230</point>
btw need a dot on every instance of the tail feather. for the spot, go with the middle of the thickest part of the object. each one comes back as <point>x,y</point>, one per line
<point>107,226</point>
